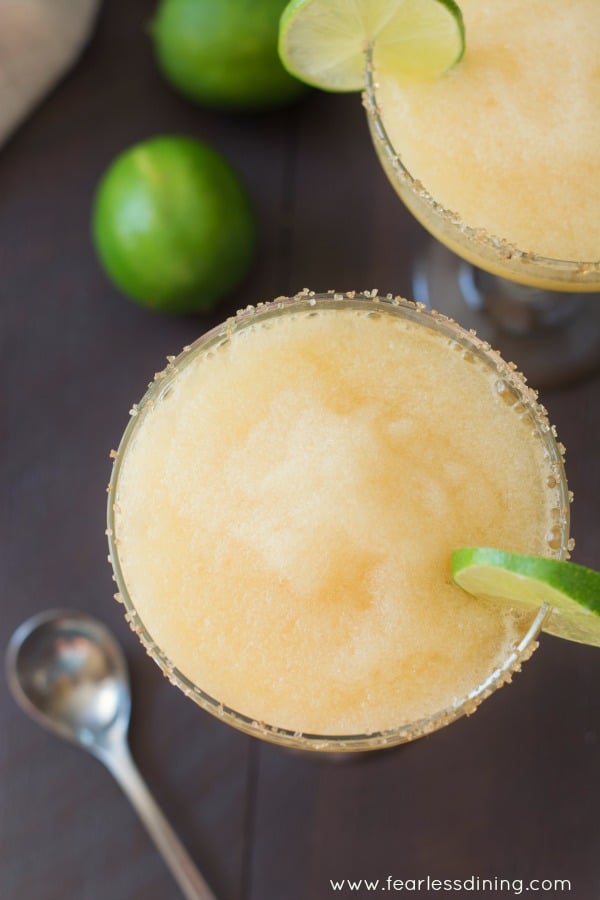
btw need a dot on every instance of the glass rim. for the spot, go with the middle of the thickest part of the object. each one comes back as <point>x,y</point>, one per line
<point>478,241</point>
<point>306,301</point>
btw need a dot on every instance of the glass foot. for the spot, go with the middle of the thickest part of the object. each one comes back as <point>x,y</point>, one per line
<point>553,337</point>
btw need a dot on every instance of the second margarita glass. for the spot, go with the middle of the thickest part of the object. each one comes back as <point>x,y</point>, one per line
<point>540,310</point>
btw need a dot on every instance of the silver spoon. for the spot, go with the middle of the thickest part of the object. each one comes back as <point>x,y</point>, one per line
<point>67,671</point>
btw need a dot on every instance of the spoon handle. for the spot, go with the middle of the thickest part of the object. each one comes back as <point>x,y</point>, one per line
<point>119,762</point>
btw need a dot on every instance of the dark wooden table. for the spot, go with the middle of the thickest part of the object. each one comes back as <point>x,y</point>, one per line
<point>512,792</point>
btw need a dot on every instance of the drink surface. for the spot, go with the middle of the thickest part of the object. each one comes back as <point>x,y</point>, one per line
<point>510,138</point>
<point>286,512</point>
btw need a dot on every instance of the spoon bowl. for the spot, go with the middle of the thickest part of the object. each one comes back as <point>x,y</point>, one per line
<point>69,673</point>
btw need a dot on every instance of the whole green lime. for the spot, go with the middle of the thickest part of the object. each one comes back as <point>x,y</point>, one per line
<point>223,53</point>
<point>172,225</point>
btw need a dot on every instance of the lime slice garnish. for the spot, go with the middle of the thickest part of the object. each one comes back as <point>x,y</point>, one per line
<point>527,582</point>
<point>323,42</point>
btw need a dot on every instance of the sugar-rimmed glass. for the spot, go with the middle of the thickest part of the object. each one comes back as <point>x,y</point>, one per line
<point>508,379</point>
<point>543,313</point>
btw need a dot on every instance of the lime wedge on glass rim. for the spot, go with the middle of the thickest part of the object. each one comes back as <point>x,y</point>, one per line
<point>571,591</point>
<point>323,42</point>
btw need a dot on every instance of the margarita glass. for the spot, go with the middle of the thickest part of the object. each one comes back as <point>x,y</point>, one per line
<point>284,502</point>
<point>499,266</point>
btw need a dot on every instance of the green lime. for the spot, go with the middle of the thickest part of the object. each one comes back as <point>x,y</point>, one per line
<point>172,225</point>
<point>527,582</point>
<point>324,41</point>
<point>223,53</point>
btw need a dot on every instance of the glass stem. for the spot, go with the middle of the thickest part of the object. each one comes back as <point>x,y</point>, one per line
<point>516,308</point>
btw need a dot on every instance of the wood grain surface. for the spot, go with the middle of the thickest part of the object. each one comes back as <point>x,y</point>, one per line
<point>511,792</point>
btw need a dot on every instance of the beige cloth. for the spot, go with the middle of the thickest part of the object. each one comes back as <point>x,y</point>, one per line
<point>39,41</point>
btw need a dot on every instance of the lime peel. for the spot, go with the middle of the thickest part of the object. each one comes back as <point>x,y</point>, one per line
<point>173,225</point>
<point>323,42</point>
<point>223,53</point>
<point>571,591</point>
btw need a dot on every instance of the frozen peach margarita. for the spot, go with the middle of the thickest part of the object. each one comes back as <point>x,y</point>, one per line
<point>287,497</point>
<point>509,138</point>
